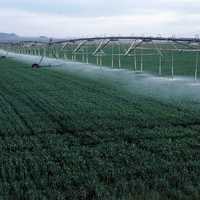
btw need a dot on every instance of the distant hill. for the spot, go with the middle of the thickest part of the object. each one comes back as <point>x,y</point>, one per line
<point>5,37</point>
<point>12,37</point>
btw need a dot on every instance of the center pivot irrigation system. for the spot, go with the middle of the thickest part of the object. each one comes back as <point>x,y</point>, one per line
<point>108,49</point>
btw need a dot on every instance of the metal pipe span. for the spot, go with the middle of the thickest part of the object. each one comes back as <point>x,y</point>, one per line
<point>113,38</point>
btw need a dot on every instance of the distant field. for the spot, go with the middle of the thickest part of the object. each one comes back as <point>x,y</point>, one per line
<point>184,63</point>
<point>66,137</point>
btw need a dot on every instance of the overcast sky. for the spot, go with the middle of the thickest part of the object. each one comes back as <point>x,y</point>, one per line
<point>69,18</point>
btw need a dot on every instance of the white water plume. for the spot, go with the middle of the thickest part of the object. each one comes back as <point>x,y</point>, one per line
<point>177,89</point>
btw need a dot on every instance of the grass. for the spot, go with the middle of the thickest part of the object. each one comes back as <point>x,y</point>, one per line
<point>184,62</point>
<point>67,137</point>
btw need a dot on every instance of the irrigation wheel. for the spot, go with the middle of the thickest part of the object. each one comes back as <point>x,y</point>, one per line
<point>35,65</point>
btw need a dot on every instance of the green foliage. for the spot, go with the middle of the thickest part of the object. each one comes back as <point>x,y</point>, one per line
<point>66,137</point>
<point>184,63</point>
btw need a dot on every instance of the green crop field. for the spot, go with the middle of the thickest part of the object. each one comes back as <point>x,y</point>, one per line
<point>67,137</point>
<point>185,63</point>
